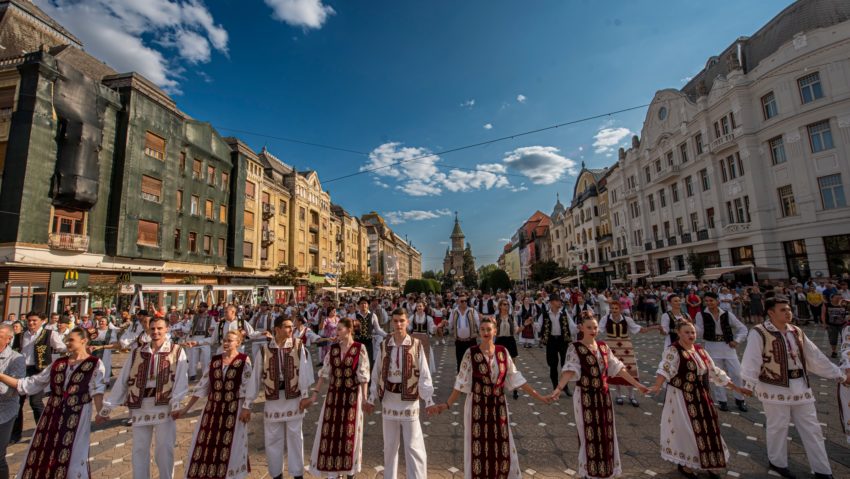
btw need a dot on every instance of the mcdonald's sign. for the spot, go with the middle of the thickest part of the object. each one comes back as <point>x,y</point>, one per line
<point>72,279</point>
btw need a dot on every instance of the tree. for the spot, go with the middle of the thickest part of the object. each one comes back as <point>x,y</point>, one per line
<point>377,279</point>
<point>103,293</point>
<point>429,275</point>
<point>498,279</point>
<point>696,265</point>
<point>284,275</point>
<point>543,271</point>
<point>353,278</point>
<point>470,276</point>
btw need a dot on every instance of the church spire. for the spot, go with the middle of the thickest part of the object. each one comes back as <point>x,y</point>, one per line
<point>456,232</point>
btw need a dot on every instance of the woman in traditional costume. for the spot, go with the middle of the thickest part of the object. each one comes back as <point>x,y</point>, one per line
<point>327,329</point>
<point>59,447</point>
<point>690,433</point>
<point>843,389</point>
<point>103,340</point>
<point>219,447</point>
<point>486,371</point>
<point>422,327</point>
<point>671,319</point>
<point>619,330</point>
<point>338,446</point>
<point>526,315</point>
<point>591,363</point>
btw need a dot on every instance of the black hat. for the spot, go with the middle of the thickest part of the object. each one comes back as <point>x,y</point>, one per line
<point>554,297</point>
<point>142,312</point>
<point>363,299</point>
<point>203,305</point>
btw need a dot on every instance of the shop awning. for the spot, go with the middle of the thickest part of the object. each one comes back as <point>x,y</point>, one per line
<point>669,276</point>
<point>316,279</point>
<point>635,276</point>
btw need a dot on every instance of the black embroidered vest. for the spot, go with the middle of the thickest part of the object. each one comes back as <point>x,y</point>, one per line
<point>708,327</point>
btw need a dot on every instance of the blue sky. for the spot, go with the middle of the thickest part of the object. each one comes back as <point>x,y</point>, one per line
<point>398,80</point>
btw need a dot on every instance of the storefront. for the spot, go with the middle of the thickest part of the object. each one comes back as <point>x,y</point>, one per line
<point>68,292</point>
<point>23,290</point>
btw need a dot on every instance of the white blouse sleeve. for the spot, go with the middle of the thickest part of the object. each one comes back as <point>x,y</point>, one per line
<point>513,378</point>
<point>844,363</point>
<point>463,381</point>
<point>202,389</point>
<point>305,373</point>
<point>669,365</point>
<point>363,372</point>
<point>614,364</point>
<point>247,379</point>
<point>97,385</point>
<point>634,328</point>
<point>572,363</point>
<point>325,372</point>
<point>34,384</point>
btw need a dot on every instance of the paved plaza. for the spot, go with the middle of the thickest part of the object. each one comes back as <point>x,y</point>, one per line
<point>545,435</point>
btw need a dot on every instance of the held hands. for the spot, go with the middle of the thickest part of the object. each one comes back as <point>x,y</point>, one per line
<point>556,394</point>
<point>368,408</point>
<point>645,390</point>
<point>245,415</point>
<point>100,420</point>
<point>653,390</point>
<point>178,412</point>
<point>434,410</point>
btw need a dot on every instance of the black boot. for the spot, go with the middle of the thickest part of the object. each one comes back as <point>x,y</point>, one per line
<point>723,406</point>
<point>684,473</point>
<point>782,471</point>
<point>742,405</point>
<point>820,475</point>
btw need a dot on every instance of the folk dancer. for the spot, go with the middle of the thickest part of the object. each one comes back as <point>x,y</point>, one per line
<point>219,447</point>
<point>12,364</point>
<point>327,330</point>
<point>367,329</point>
<point>463,321</point>
<point>591,363</point>
<point>690,432</point>
<point>421,326</point>
<point>338,446</point>
<point>777,362</point>
<point>199,332</point>
<point>488,443</point>
<point>38,345</point>
<point>230,322</point>
<point>527,316</point>
<point>618,336</point>
<point>261,321</point>
<point>671,319</point>
<point>506,329</point>
<point>60,444</point>
<point>843,389</point>
<point>283,372</point>
<point>721,332</point>
<point>487,306</point>
<point>104,340</point>
<point>401,377</point>
<point>834,318</point>
<point>152,384</point>
<point>557,331</point>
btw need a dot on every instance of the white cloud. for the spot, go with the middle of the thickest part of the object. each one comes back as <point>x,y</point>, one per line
<point>521,98</point>
<point>468,103</point>
<point>607,139</point>
<point>541,164</point>
<point>300,13</point>
<point>504,240</point>
<point>115,31</point>
<point>488,126</point>
<point>398,217</point>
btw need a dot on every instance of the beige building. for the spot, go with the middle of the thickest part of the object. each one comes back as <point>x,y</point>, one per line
<point>352,240</point>
<point>312,245</point>
<point>390,256</point>
<point>748,163</point>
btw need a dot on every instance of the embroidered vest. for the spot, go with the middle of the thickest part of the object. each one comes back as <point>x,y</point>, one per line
<point>409,369</point>
<point>470,319</point>
<point>491,308</point>
<point>363,327</point>
<point>546,330</point>
<point>526,313</point>
<point>593,374</point>
<point>482,383</point>
<point>774,367</point>
<point>271,370</point>
<point>201,325</point>
<point>708,327</point>
<point>42,349</point>
<point>687,377</point>
<point>164,376</point>
<point>616,329</point>
<point>240,326</point>
<point>420,327</point>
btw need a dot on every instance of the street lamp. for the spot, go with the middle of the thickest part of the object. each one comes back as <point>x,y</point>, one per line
<point>337,266</point>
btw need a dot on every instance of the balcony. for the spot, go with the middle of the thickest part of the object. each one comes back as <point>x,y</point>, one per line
<point>630,192</point>
<point>671,241</point>
<point>339,238</point>
<point>669,173</point>
<point>314,228</point>
<point>702,235</point>
<point>265,264</point>
<point>686,238</point>
<point>268,236</point>
<point>313,248</point>
<point>268,210</point>
<point>647,246</point>
<point>614,254</point>
<point>659,244</point>
<point>735,228</point>
<point>68,242</point>
<point>720,144</point>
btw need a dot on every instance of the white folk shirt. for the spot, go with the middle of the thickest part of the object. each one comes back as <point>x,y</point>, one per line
<point>214,340</point>
<point>632,326</point>
<point>665,325</point>
<point>797,392</point>
<point>282,409</point>
<point>28,345</point>
<point>392,407</point>
<point>555,319</point>
<point>719,349</point>
<point>461,323</point>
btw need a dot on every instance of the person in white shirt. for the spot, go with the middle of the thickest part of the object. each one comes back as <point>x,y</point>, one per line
<point>777,362</point>
<point>721,332</point>
<point>671,319</point>
<point>226,324</point>
<point>557,331</point>
<point>464,323</point>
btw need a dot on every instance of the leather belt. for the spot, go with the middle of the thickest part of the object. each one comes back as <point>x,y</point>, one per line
<point>393,387</point>
<point>795,373</point>
<point>149,393</point>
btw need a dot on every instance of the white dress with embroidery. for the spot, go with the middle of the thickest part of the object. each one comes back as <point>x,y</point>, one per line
<point>843,390</point>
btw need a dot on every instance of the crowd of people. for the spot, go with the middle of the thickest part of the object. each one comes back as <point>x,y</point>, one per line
<point>377,353</point>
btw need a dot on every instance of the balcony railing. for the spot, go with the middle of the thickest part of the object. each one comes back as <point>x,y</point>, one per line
<point>68,242</point>
<point>671,241</point>
<point>686,238</point>
<point>669,172</point>
<point>314,228</point>
<point>647,246</point>
<point>268,236</point>
<point>265,264</point>
<point>734,228</point>
<point>268,210</point>
<point>702,235</point>
<point>725,141</point>
<point>659,243</point>
<point>630,192</point>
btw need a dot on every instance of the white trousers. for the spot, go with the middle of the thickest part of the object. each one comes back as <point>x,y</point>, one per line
<point>288,435</point>
<point>166,442</point>
<point>414,449</point>
<point>805,418</point>
<point>732,366</point>
<point>198,353</point>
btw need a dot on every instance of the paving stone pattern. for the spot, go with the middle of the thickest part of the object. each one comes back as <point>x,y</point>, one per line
<point>545,435</point>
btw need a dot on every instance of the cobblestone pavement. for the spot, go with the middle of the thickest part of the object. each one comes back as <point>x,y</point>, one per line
<point>545,435</point>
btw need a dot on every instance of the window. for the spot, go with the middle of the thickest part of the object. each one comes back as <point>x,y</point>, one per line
<point>734,165</point>
<point>207,244</point>
<point>796,258</point>
<point>670,161</point>
<point>651,199</point>
<point>211,175</point>
<point>810,88</point>
<point>196,169</point>
<point>250,190</point>
<point>151,189</point>
<point>154,146</point>
<point>249,219</point>
<point>179,200</point>
<point>66,221</point>
<point>634,209</point>
<point>208,209</point>
<point>247,250</point>
<point>148,233</point>
<point>655,232</point>
<point>832,192</point>
<point>657,166</point>
<point>666,229</point>
<point>837,250</point>
<point>704,180</point>
<point>222,213</point>
<point>786,201</point>
<point>194,205</point>
<point>282,207</point>
<point>662,198</point>
<point>177,239</point>
<point>723,171</point>
<point>777,150</point>
<point>689,186</point>
<point>709,217</point>
<point>193,242</point>
<point>698,143</point>
<point>694,222</point>
<point>742,255</point>
<point>738,210</point>
<point>265,198</point>
<point>302,214</point>
<point>220,251</point>
<point>647,174</point>
<point>182,162</point>
<point>225,180</point>
<point>674,192</point>
<point>820,136</point>
<point>768,106</point>
<point>683,152</point>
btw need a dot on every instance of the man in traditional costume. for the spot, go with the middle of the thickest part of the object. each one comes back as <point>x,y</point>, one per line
<point>367,329</point>
<point>777,362</point>
<point>261,321</point>
<point>199,333</point>
<point>843,389</point>
<point>618,330</point>
<point>283,372</point>
<point>401,376</point>
<point>421,326</point>
<point>463,321</point>
<point>557,331</point>
<point>721,332</point>
<point>230,322</point>
<point>152,384</point>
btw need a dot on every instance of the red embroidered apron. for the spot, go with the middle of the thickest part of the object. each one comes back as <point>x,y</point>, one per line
<point>491,447</point>
<point>339,420</point>
<point>596,411</point>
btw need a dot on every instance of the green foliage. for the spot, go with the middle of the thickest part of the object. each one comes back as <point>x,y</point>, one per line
<point>696,265</point>
<point>545,270</point>
<point>354,279</point>
<point>103,293</point>
<point>424,285</point>
<point>429,275</point>
<point>284,275</point>
<point>470,276</point>
<point>377,279</point>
